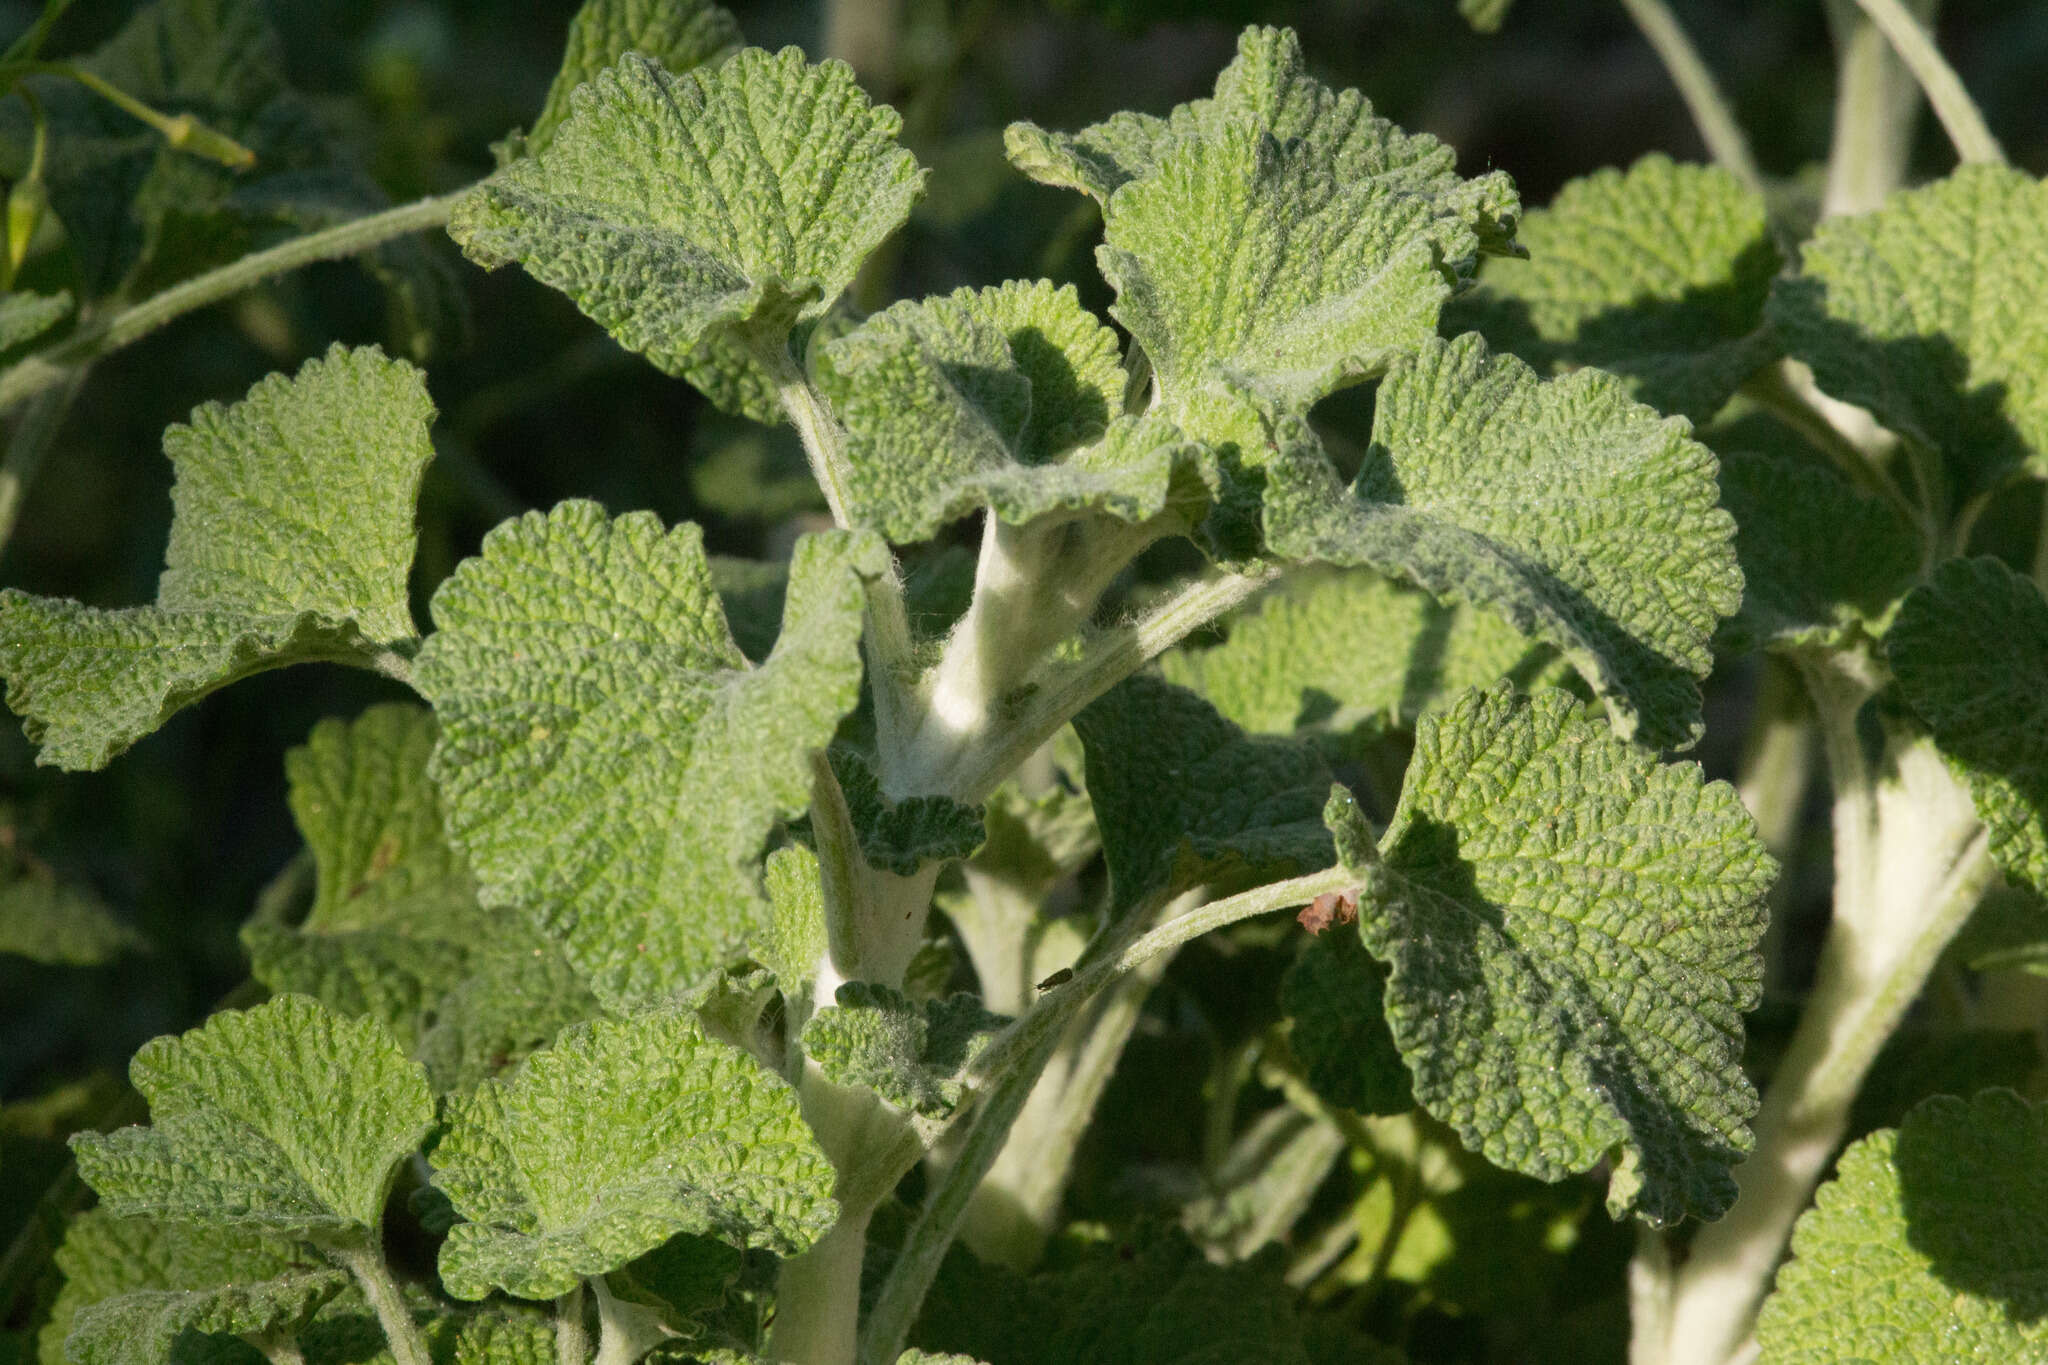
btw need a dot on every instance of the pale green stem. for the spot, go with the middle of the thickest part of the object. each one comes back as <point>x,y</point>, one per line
<point>30,446</point>
<point>1720,132</point>
<point>1007,1070</point>
<point>1876,106</point>
<point>818,429</point>
<point>1959,115</point>
<point>130,325</point>
<point>1911,862</point>
<point>408,1347</point>
<point>1061,690</point>
<point>1772,778</point>
<point>572,1339</point>
<point>625,1331</point>
<point>1848,435</point>
<point>817,1298</point>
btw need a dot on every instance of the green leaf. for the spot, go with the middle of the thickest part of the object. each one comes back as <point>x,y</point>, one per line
<point>1923,313</point>
<point>145,1327</point>
<point>1333,995</point>
<point>608,759</point>
<point>105,1258</point>
<point>291,539</point>
<point>513,1004</point>
<point>1571,931</point>
<point>716,208</point>
<point>1821,560</point>
<point>47,920</point>
<point>1336,650</point>
<point>1970,652</point>
<point>1925,1246</point>
<point>1306,280</point>
<point>913,1055</point>
<point>284,1118</point>
<point>1008,398</point>
<point>1266,90</point>
<point>1578,515</point>
<point>678,34</point>
<point>901,836</point>
<point>621,1135</point>
<point>1485,16</point>
<point>1658,274</point>
<point>1184,798</point>
<point>24,316</point>
<point>797,940</point>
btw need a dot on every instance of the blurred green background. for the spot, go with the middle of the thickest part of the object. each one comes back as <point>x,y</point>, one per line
<point>537,405</point>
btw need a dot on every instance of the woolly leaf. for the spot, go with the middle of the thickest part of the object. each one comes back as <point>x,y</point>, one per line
<point>1924,313</point>
<point>718,208</point>
<point>1925,1247</point>
<point>1571,933</point>
<point>1008,398</point>
<point>1658,274</point>
<point>1821,560</point>
<point>679,34</point>
<point>1580,516</point>
<point>608,759</point>
<point>1185,798</point>
<point>1335,650</point>
<point>513,1004</point>
<point>24,317</point>
<point>284,1118</point>
<point>913,1055</point>
<point>104,1258</point>
<point>1970,652</point>
<point>143,1327</point>
<point>605,1145</point>
<point>1266,90</point>
<point>901,836</point>
<point>291,539</point>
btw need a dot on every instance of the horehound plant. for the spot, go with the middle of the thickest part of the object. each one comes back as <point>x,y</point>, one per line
<point>612,1016</point>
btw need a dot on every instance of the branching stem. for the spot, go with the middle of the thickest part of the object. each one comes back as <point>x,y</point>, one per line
<point>131,325</point>
<point>1959,115</point>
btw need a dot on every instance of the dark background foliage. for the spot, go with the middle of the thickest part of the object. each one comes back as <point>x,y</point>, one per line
<point>536,405</point>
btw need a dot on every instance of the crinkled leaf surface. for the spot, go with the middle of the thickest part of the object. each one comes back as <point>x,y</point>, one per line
<point>679,34</point>
<point>1334,650</point>
<point>1821,559</point>
<point>901,836</point>
<point>608,759</point>
<point>1267,90</point>
<point>1008,398</point>
<point>1183,797</point>
<point>105,1258</point>
<point>1571,931</point>
<point>513,1004</point>
<point>1924,312</point>
<point>621,1135</point>
<point>1925,1249</point>
<point>285,1118</point>
<point>1970,652</point>
<point>1658,274</point>
<point>291,539</point>
<point>912,1054</point>
<point>144,1327</point>
<point>1580,516</point>
<point>1333,993</point>
<point>715,208</point>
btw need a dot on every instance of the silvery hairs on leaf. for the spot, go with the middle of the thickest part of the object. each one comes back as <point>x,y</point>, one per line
<point>609,761</point>
<point>291,539</point>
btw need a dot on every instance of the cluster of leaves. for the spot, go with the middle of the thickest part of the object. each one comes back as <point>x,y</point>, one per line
<point>602,992</point>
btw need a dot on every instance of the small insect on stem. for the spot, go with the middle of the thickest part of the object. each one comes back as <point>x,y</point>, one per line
<point>1332,907</point>
<point>1058,978</point>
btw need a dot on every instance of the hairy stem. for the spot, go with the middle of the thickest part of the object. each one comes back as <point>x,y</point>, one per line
<point>1009,1067</point>
<point>817,1297</point>
<point>40,372</point>
<point>1911,862</point>
<point>1060,691</point>
<point>1876,106</point>
<point>1718,129</point>
<point>1772,778</point>
<point>572,1341</point>
<point>408,1347</point>
<point>30,446</point>
<point>1848,435</point>
<point>1959,115</point>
